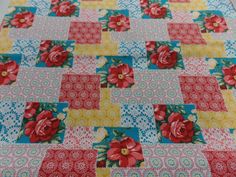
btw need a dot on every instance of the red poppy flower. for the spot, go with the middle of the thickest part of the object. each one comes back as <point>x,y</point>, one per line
<point>160,112</point>
<point>43,128</point>
<point>30,110</point>
<point>23,20</point>
<point>119,23</point>
<point>55,57</point>
<point>44,45</point>
<point>216,23</point>
<point>122,76</point>
<point>126,151</point>
<point>8,72</point>
<point>155,10</point>
<point>65,8</point>
<point>230,75</point>
<point>150,45</point>
<point>164,58</point>
<point>178,130</point>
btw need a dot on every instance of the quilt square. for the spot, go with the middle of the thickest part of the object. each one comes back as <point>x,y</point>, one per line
<point>177,124</point>
<point>64,8</point>
<point>114,20</point>
<point>9,68</point>
<point>19,17</point>
<point>164,55</point>
<point>85,32</point>
<point>68,162</point>
<point>203,91</point>
<point>55,54</point>
<point>115,71</point>
<point>118,147</point>
<point>155,9</point>
<point>210,21</point>
<point>81,91</point>
<point>43,123</point>
<point>224,69</point>
<point>186,33</point>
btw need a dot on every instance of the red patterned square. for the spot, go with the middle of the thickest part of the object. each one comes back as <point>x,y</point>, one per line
<point>62,162</point>
<point>81,91</point>
<point>203,91</point>
<point>187,33</point>
<point>85,32</point>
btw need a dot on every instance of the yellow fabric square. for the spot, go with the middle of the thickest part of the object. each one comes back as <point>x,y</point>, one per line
<point>104,4</point>
<point>220,119</point>
<point>107,47</point>
<point>107,115</point>
<point>17,2</point>
<point>192,5</point>
<point>5,42</point>
<point>103,172</point>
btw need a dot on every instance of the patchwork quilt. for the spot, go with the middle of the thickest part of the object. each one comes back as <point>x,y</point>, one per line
<point>121,88</point>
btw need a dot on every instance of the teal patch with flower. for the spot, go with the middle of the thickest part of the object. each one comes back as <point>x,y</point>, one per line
<point>55,54</point>
<point>19,17</point>
<point>115,71</point>
<point>118,147</point>
<point>164,55</point>
<point>224,69</point>
<point>210,21</point>
<point>43,123</point>
<point>177,124</point>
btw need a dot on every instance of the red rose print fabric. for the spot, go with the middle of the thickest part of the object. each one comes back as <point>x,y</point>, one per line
<point>222,163</point>
<point>187,33</point>
<point>85,32</point>
<point>203,91</point>
<point>68,163</point>
<point>81,91</point>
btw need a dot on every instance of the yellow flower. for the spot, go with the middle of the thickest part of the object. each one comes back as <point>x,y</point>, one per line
<point>101,62</point>
<point>100,134</point>
<point>212,63</point>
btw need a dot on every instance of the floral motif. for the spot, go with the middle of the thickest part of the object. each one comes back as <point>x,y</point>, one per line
<point>210,21</point>
<point>164,55</point>
<point>177,124</point>
<point>64,8</point>
<point>114,20</point>
<point>9,67</point>
<point>115,71</point>
<point>41,123</point>
<point>19,17</point>
<point>55,54</point>
<point>118,147</point>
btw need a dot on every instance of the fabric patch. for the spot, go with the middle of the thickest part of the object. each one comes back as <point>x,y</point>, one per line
<point>230,48</point>
<point>133,6</point>
<point>11,115</point>
<point>182,17</point>
<point>5,41</point>
<point>115,71</point>
<point>81,91</point>
<point>42,6</point>
<point>118,147</point>
<point>140,116</point>
<point>63,162</point>
<point>43,122</point>
<point>85,32</point>
<point>187,33</point>
<point>151,87</point>
<point>203,91</point>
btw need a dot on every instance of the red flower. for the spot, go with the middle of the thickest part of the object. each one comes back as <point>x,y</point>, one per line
<point>230,75</point>
<point>144,3</point>
<point>30,110</point>
<point>122,76</point>
<point>43,128</point>
<point>55,57</point>
<point>160,112</point>
<point>8,72</point>
<point>150,45</point>
<point>126,151</point>
<point>178,130</point>
<point>164,58</point>
<point>216,24</point>
<point>23,20</point>
<point>119,23</point>
<point>44,45</point>
<point>64,9</point>
<point>156,11</point>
